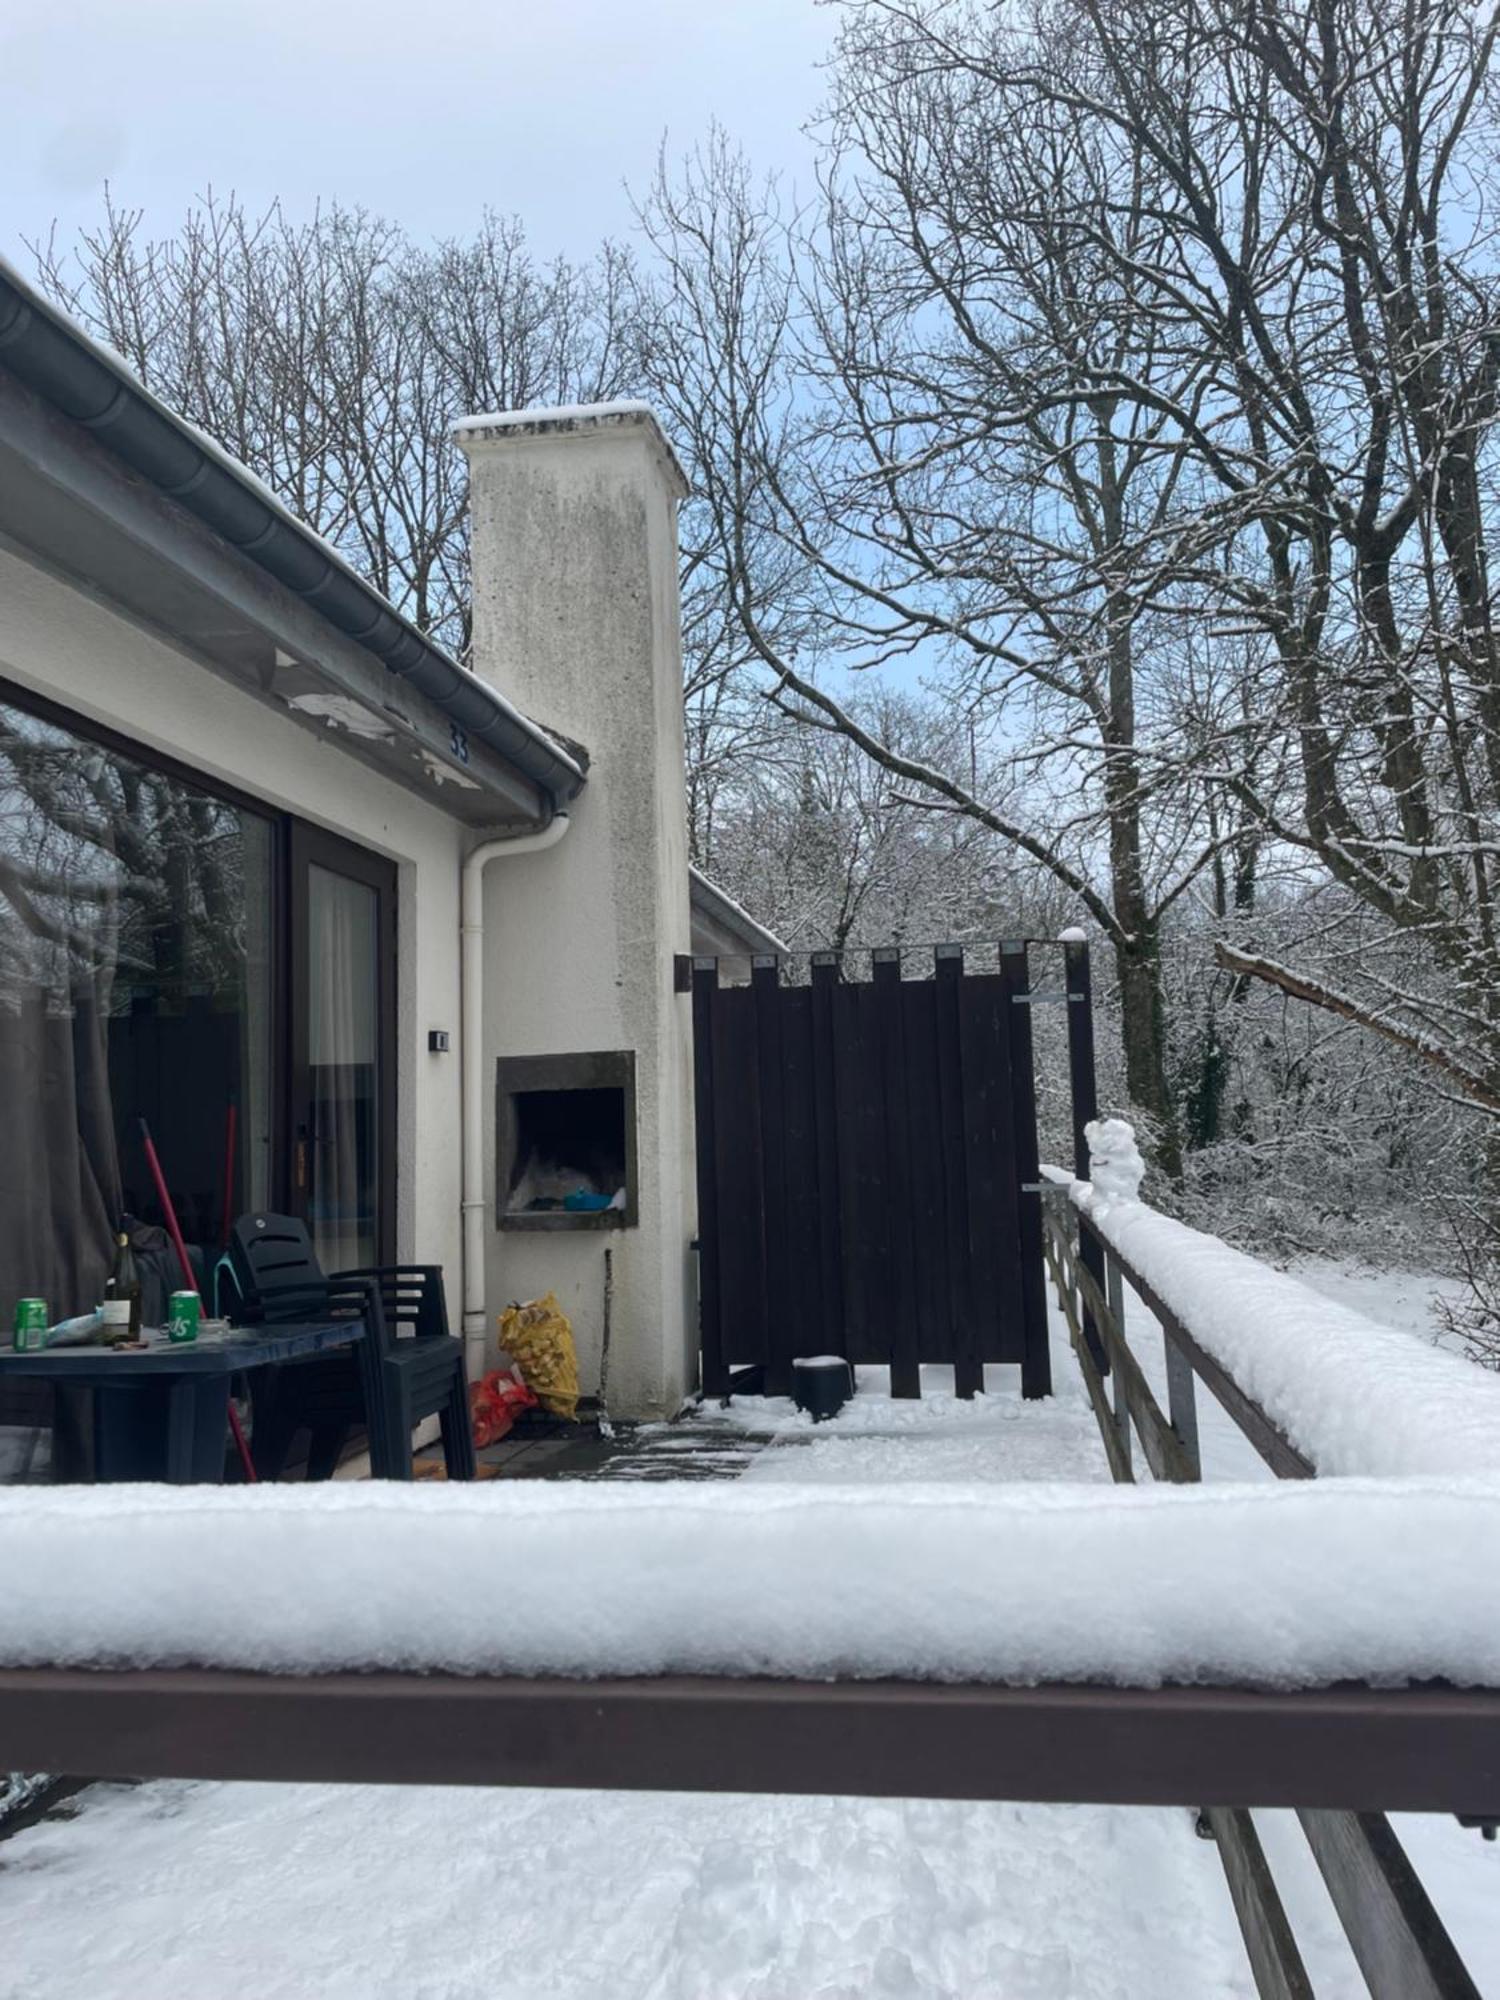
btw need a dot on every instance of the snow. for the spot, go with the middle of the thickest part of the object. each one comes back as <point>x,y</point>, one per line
<point>1353,1394</point>
<point>415,1893</point>
<point>1075,934</point>
<point>560,413</point>
<point>419,1894</point>
<point>1293,1584</point>
<point>1116,1168</point>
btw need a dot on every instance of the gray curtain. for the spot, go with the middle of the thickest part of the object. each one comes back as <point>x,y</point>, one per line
<point>59,1170</point>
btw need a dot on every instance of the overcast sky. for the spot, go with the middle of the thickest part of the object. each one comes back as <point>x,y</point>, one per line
<point>424,111</point>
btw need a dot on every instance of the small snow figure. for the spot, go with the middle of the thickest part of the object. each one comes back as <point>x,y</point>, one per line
<point>1115,1163</point>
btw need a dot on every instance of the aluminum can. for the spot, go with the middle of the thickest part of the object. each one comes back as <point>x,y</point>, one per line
<point>31,1325</point>
<point>183,1310</point>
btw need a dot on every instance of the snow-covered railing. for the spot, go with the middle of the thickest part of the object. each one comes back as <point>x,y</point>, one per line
<point>1332,1647</point>
<point>1315,1388</point>
<point>1016,1584</point>
<point>1047,1642</point>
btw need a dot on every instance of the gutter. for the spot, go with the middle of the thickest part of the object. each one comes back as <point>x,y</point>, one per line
<point>93,388</point>
<point>471,1085</point>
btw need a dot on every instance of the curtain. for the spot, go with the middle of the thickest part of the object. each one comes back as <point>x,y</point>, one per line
<point>59,1169</point>
<point>342,1050</point>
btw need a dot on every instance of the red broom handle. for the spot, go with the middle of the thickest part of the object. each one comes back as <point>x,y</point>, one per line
<point>187,1271</point>
<point>167,1209</point>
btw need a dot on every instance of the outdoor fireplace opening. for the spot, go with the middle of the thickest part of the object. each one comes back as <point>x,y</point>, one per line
<point>565,1128</point>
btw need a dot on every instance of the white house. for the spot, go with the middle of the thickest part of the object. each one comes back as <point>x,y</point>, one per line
<point>365,935</point>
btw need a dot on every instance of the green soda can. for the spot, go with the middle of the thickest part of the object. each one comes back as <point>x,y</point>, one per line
<point>31,1325</point>
<point>183,1310</point>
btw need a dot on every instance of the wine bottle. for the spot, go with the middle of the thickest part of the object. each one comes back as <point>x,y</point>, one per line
<point>122,1294</point>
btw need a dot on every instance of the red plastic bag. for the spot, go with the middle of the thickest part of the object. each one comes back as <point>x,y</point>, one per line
<point>495,1403</point>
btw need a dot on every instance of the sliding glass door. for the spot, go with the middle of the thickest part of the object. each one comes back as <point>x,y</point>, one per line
<point>342,964</point>
<point>178,958</point>
<point>137,991</point>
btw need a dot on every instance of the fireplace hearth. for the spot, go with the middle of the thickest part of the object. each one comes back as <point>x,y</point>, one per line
<point>566,1141</point>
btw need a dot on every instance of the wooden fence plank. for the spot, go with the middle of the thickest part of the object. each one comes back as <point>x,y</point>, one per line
<point>825,972</point>
<point>992,1245</point>
<point>1084,1090</point>
<point>815,1330</point>
<point>901,1302</point>
<point>1394,1932</point>
<point>861,1145</point>
<point>741,1177</point>
<point>968,1360</point>
<point>1274,1958</point>
<point>715,1362</point>
<point>783,1336</point>
<point>1036,1360</point>
<point>936,1326</point>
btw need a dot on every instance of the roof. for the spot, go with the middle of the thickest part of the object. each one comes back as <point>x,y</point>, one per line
<point>91,386</point>
<point>721,927</point>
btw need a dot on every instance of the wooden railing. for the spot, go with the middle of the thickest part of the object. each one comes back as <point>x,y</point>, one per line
<point>1398,1939</point>
<point>1340,1756</point>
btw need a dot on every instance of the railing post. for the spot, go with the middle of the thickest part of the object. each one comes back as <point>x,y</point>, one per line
<point>1115,1297</point>
<point>1078,984</point>
<point>1182,1402</point>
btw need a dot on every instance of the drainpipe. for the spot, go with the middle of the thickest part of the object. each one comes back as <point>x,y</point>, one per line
<point>476,1330</point>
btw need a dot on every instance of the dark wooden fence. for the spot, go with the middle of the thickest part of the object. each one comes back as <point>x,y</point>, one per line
<point>1398,1939</point>
<point>867,1170</point>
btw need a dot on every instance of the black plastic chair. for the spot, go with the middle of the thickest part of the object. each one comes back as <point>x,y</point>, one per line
<point>390,1385</point>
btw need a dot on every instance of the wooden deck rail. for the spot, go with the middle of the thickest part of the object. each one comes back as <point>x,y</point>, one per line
<point>1350,1748</point>
<point>1396,1935</point>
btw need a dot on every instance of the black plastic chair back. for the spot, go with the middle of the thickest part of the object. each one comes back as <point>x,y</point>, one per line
<point>279,1273</point>
<point>410,1295</point>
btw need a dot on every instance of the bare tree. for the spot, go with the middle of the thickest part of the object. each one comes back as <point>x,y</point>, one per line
<point>333,356</point>
<point>901,464</point>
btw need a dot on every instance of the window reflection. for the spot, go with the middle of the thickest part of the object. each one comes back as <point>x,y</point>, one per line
<point>135,981</point>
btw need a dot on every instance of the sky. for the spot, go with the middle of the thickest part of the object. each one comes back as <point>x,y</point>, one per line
<point>423,111</point>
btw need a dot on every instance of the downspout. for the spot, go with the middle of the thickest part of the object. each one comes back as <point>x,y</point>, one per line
<point>476,1331</point>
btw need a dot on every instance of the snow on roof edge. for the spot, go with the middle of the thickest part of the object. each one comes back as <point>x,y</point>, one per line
<point>714,899</point>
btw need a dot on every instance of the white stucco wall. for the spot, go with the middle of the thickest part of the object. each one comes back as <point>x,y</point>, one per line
<point>576,621</point>
<point>65,645</point>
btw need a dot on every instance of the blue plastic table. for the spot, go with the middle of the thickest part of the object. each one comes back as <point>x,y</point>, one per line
<point>161,1411</point>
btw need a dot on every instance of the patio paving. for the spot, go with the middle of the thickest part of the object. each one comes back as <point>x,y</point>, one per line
<point>700,1446</point>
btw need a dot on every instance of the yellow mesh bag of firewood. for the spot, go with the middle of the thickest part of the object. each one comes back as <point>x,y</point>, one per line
<point>539,1339</point>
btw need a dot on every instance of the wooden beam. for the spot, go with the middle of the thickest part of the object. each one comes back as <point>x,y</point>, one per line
<point>1394,1932</point>
<point>1423,1749</point>
<point>1275,1961</point>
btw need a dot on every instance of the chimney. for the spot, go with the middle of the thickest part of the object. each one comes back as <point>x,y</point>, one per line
<point>576,620</point>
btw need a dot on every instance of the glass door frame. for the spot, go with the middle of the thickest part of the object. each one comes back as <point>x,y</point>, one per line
<point>308,847</point>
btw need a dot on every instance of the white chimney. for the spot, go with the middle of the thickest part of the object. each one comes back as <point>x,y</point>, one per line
<point>576,620</point>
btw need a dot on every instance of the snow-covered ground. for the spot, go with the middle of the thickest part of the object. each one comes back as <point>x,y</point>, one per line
<point>424,1894</point>
<point>388,1894</point>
